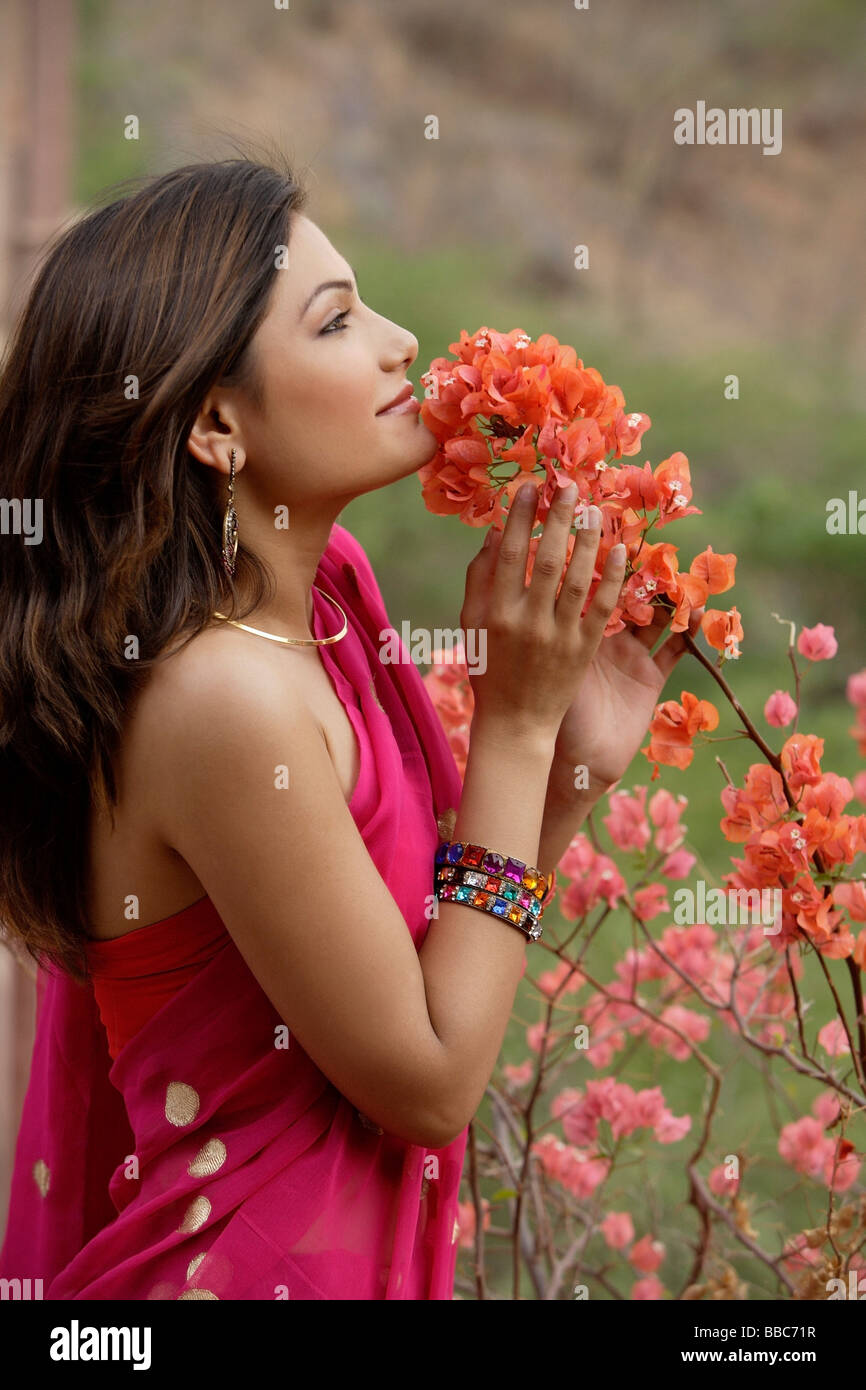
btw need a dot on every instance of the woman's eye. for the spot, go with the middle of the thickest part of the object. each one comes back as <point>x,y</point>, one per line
<point>344,314</point>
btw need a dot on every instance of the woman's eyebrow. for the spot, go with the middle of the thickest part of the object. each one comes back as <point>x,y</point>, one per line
<point>328,285</point>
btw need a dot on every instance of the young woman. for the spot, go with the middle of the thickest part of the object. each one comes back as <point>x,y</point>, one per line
<point>257,1054</point>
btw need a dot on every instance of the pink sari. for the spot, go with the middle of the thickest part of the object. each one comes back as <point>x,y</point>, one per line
<point>206,1163</point>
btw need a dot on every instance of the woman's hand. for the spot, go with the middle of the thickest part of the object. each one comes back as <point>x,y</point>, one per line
<point>612,707</point>
<point>538,647</point>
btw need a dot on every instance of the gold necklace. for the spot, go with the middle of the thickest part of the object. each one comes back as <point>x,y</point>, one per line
<point>295,641</point>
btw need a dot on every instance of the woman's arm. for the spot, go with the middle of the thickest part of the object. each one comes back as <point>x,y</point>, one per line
<point>411,1038</point>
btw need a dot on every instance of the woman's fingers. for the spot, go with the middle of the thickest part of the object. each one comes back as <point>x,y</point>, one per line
<point>479,575</point>
<point>509,580</point>
<point>604,600</point>
<point>577,581</point>
<point>552,551</point>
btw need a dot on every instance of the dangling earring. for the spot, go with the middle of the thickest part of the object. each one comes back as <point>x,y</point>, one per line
<point>230,525</point>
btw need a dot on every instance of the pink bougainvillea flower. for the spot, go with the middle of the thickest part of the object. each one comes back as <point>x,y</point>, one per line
<point>721,1183</point>
<point>665,813</point>
<point>650,901</point>
<point>646,1254</point>
<point>576,1169</point>
<point>594,878</point>
<point>799,1254</point>
<point>679,864</point>
<point>519,1075</point>
<point>564,979</point>
<point>626,821</point>
<point>467,1222</point>
<point>649,1290</point>
<point>617,1229</point>
<point>825,1107</point>
<point>450,690</point>
<point>803,1144</point>
<point>780,709</point>
<point>855,688</point>
<point>693,1025</point>
<point>832,1038</point>
<point>851,896</point>
<point>842,1165</point>
<point>817,643</point>
<point>807,1148</point>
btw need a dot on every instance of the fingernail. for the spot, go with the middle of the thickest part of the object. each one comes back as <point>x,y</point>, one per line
<point>593,517</point>
<point>525,492</point>
<point>618,551</point>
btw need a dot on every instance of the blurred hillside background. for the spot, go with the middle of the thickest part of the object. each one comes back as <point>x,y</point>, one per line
<point>555,129</point>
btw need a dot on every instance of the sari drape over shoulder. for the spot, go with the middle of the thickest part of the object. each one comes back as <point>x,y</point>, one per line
<point>206,1162</point>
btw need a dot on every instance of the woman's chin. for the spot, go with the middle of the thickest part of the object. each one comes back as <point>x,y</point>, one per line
<point>430,443</point>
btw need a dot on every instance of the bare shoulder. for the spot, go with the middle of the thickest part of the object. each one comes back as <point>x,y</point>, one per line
<point>214,699</point>
<point>220,673</point>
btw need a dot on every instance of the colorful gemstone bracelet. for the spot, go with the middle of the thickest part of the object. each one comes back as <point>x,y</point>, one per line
<point>482,878</point>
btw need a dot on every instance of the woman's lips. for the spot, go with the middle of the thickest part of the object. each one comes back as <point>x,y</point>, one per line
<point>406,407</point>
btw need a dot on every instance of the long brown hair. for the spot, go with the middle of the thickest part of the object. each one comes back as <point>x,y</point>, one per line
<point>136,311</point>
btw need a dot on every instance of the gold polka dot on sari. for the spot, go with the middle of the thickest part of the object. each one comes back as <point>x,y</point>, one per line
<point>42,1176</point>
<point>197,1293</point>
<point>195,1215</point>
<point>210,1157</point>
<point>162,1291</point>
<point>194,1264</point>
<point>181,1103</point>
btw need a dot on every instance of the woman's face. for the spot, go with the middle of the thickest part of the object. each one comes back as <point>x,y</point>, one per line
<point>327,363</point>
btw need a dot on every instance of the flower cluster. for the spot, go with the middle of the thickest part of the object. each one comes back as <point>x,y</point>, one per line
<point>789,815</point>
<point>789,852</point>
<point>505,409</point>
<point>800,839</point>
<point>805,1145</point>
<point>667,990</point>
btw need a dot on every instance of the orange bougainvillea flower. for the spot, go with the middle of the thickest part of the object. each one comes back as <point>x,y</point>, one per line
<point>724,631</point>
<point>504,408</point>
<point>801,760</point>
<point>760,804</point>
<point>673,728</point>
<point>716,571</point>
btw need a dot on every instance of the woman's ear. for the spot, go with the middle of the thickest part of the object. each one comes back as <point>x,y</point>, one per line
<point>215,432</point>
